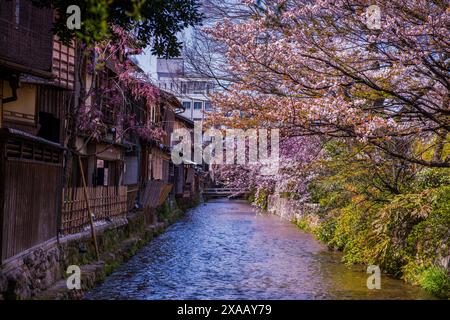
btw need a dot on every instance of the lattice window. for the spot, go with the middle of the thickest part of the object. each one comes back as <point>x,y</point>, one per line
<point>25,150</point>
<point>63,63</point>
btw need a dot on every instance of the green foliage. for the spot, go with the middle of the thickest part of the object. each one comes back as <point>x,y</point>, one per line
<point>411,226</point>
<point>167,210</point>
<point>325,232</point>
<point>303,224</point>
<point>386,213</point>
<point>251,196</point>
<point>437,281</point>
<point>110,267</point>
<point>155,23</point>
<point>350,233</point>
<point>261,198</point>
<point>432,178</point>
<point>163,211</point>
<point>285,195</point>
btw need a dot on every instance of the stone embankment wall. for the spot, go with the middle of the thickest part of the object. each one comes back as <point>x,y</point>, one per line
<point>292,210</point>
<point>40,273</point>
<point>306,217</point>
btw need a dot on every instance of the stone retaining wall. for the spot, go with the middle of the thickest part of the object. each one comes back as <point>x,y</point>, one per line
<point>292,210</point>
<point>40,272</point>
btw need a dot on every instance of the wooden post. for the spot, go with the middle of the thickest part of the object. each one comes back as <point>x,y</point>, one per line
<point>86,198</point>
<point>1,103</point>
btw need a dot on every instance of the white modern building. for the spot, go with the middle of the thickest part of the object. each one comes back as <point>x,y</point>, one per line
<point>193,91</point>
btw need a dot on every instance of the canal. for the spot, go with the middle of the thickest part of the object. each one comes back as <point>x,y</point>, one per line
<point>224,249</point>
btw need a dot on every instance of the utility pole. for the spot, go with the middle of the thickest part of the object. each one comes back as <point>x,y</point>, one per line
<point>88,207</point>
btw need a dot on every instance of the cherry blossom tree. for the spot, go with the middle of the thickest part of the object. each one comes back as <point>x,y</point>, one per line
<point>114,83</point>
<point>295,169</point>
<point>318,67</point>
<point>154,23</point>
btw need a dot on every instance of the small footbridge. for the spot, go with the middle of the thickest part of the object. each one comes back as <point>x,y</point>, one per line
<point>224,192</point>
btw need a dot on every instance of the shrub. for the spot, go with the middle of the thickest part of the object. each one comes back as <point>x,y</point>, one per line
<point>437,281</point>
<point>303,224</point>
<point>432,178</point>
<point>261,198</point>
<point>326,230</point>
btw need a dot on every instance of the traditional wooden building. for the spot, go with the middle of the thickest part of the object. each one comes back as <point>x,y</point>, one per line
<point>42,162</point>
<point>99,158</point>
<point>33,100</point>
<point>157,170</point>
<point>185,182</point>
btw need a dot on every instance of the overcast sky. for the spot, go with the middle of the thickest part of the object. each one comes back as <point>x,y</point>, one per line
<point>147,61</point>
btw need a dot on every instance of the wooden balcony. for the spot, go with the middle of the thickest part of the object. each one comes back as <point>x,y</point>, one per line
<point>26,40</point>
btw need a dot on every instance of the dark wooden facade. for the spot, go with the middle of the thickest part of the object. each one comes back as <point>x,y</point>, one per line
<point>36,82</point>
<point>33,106</point>
<point>185,177</point>
<point>26,37</point>
<point>30,191</point>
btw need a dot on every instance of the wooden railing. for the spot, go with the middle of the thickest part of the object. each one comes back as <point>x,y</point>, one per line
<point>105,202</point>
<point>19,117</point>
<point>217,192</point>
<point>30,48</point>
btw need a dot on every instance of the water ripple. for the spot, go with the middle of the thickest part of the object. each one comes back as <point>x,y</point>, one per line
<point>225,250</point>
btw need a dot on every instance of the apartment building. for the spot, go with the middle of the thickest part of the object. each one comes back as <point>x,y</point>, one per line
<point>192,90</point>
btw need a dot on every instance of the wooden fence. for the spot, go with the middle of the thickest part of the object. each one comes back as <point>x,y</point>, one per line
<point>152,196</point>
<point>155,193</point>
<point>105,202</point>
<point>132,193</point>
<point>30,192</point>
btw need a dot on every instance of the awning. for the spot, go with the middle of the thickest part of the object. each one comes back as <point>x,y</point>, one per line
<point>31,137</point>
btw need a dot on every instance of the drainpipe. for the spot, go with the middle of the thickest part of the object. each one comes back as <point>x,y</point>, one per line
<point>139,153</point>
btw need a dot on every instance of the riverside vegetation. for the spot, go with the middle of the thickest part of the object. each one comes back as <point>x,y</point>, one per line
<point>393,215</point>
<point>363,115</point>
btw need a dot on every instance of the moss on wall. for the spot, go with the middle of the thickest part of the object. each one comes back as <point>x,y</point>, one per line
<point>116,245</point>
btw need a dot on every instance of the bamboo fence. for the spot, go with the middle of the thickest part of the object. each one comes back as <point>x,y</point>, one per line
<point>105,202</point>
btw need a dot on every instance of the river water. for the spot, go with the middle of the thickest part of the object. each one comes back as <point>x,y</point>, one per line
<point>224,249</point>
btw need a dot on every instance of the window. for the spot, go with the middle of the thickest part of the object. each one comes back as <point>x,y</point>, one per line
<point>153,114</point>
<point>157,166</point>
<point>131,174</point>
<point>209,88</point>
<point>190,87</point>
<point>199,87</point>
<point>107,173</point>
<point>49,127</point>
<point>17,13</point>
<point>208,105</point>
<point>186,105</point>
<point>197,105</point>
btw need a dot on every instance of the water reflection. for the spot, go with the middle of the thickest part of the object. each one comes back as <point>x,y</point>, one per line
<point>225,250</point>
